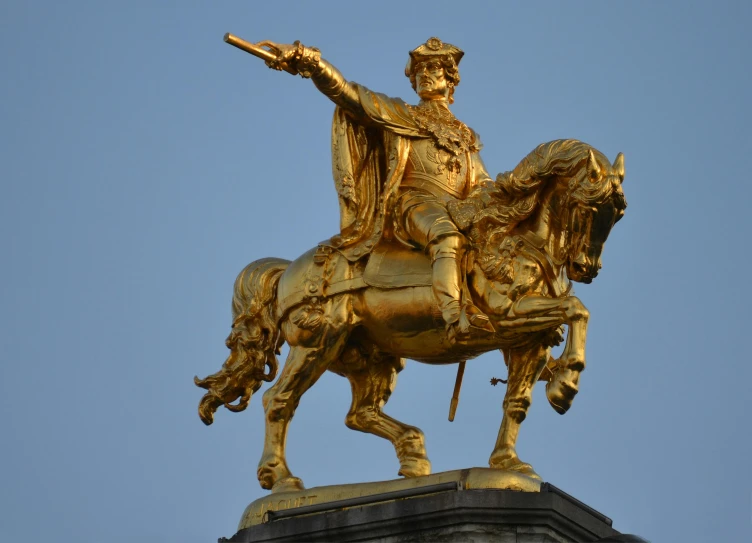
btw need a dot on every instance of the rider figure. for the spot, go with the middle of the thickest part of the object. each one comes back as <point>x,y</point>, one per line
<point>404,162</point>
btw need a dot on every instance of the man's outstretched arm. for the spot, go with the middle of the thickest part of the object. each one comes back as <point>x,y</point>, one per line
<point>307,62</point>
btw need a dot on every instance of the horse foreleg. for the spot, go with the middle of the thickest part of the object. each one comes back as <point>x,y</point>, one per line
<point>564,385</point>
<point>308,360</point>
<point>372,381</point>
<point>524,368</point>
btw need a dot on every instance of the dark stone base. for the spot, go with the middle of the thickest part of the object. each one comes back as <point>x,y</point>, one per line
<point>504,516</point>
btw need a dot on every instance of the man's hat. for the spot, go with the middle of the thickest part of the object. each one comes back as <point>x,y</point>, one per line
<point>432,48</point>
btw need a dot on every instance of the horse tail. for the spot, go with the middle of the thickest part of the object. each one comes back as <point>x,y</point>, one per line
<point>254,341</point>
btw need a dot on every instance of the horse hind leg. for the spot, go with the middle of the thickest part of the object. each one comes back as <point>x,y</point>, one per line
<point>303,367</point>
<point>372,379</point>
<point>525,367</point>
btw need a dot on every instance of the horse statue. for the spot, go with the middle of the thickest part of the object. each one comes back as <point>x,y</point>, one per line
<point>531,231</point>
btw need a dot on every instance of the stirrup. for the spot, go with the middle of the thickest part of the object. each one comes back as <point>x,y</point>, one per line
<point>472,317</point>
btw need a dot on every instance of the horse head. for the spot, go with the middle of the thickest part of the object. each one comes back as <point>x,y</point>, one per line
<point>564,198</point>
<point>591,202</point>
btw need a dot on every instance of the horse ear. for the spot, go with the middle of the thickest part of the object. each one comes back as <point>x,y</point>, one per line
<point>594,170</point>
<point>619,166</point>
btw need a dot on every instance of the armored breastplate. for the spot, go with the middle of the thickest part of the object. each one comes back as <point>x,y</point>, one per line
<point>438,162</point>
<point>436,170</point>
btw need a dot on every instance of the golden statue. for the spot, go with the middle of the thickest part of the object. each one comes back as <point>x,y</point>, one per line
<point>435,261</point>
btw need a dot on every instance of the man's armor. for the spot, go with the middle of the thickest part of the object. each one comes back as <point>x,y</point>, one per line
<point>435,170</point>
<point>439,162</point>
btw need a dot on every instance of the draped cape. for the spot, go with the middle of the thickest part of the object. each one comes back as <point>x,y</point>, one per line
<point>369,155</point>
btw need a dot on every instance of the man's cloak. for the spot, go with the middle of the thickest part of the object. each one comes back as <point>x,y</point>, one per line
<point>369,156</point>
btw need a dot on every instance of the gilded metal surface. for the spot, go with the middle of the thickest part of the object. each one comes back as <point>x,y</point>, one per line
<point>435,261</point>
<point>469,479</point>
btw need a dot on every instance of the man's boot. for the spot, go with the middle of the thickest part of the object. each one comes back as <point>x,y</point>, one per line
<point>446,255</point>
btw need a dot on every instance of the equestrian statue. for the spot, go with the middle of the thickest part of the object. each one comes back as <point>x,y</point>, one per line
<point>435,261</point>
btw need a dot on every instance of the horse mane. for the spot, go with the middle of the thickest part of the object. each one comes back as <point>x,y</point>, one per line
<point>515,195</point>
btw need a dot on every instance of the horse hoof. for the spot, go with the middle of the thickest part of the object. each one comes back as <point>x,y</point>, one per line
<point>561,402</point>
<point>411,452</point>
<point>525,469</point>
<point>288,484</point>
<point>560,409</point>
<point>271,470</point>
<point>561,392</point>
<point>515,464</point>
<point>415,467</point>
<point>266,478</point>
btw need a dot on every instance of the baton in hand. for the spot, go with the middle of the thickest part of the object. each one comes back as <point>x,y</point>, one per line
<point>255,50</point>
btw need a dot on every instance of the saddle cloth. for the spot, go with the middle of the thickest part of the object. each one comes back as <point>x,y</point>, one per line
<point>392,265</point>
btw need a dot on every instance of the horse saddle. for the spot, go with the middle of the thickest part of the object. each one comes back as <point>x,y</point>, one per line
<point>392,265</point>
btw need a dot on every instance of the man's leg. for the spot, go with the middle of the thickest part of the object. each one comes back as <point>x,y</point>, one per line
<point>446,254</point>
<point>427,223</point>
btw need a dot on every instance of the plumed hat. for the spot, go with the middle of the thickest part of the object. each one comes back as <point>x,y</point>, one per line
<point>434,47</point>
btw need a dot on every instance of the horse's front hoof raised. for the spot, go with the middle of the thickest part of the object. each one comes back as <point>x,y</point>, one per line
<point>562,389</point>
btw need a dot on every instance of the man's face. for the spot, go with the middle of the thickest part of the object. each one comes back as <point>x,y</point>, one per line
<point>430,80</point>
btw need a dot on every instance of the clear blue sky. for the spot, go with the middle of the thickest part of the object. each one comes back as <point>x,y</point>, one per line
<point>144,162</point>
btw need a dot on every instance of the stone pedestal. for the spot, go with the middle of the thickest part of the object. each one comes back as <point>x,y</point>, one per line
<point>445,512</point>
